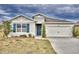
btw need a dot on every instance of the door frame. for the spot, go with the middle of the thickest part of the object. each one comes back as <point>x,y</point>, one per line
<point>37,33</point>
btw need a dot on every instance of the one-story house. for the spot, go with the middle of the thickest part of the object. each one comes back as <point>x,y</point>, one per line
<point>22,25</point>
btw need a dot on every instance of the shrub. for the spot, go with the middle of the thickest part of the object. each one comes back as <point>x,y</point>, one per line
<point>76,31</point>
<point>23,36</point>
<point>31,36</point>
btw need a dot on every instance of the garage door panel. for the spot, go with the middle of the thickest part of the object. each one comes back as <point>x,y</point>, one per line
<point>59,31</point>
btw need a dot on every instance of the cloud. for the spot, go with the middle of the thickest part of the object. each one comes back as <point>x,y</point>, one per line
<point>3,12</point>
<point>6,17</point>
<point>67,9</point>
<point>61,11</point>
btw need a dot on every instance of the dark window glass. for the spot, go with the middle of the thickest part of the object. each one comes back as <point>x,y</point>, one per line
<point>24,25</point>
<point>18,25</point>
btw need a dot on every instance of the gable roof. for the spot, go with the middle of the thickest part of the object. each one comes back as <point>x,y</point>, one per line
<point>38,15</point>
<point>49,19</point>
<point>21,16</point>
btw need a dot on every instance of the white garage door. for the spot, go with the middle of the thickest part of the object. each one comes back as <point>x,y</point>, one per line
<point>59,31</point>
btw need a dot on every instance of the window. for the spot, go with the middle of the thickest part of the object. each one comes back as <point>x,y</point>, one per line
<point>21,27</point>
<point>18,27</point>
<point>24,27</point>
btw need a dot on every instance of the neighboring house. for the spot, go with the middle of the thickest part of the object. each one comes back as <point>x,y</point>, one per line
<point>22,25</point>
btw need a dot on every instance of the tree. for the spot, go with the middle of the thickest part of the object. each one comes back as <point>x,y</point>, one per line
<point>6,28</point>
<point>43,31</point>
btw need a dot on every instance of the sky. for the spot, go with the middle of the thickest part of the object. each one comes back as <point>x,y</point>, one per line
<point>59,11</point>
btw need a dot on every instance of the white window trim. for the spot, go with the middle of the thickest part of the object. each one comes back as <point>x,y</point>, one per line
<point>21,26</point>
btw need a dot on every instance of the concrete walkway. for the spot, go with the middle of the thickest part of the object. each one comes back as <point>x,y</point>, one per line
<point>65,45</point>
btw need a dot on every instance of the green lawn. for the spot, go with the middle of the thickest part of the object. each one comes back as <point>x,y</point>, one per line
<point>25,45</point>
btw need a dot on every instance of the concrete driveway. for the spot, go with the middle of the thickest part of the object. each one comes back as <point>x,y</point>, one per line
<point>65,45</point>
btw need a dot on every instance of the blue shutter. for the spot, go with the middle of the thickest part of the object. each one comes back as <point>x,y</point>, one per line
<point>27,27</point>
<point>14,27</point>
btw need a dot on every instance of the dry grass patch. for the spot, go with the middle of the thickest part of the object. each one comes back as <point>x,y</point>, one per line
<point>25,45</point>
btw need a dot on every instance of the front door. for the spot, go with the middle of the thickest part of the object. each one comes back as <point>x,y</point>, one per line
<point>38,29</point>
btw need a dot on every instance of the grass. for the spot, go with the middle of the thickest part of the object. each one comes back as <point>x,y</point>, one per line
<point>25,45</point>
